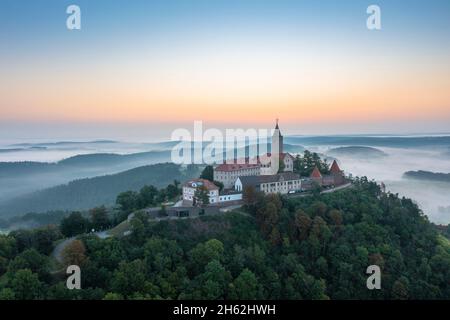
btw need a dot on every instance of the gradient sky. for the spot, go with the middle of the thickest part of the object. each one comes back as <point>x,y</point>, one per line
<point>138,64</point>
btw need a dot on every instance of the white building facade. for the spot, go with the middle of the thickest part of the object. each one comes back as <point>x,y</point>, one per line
<point>228,173</point>
<point>283,183</point>
<point>190,187</point>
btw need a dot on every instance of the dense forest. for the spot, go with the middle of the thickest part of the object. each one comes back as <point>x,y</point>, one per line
<point>314,247</point>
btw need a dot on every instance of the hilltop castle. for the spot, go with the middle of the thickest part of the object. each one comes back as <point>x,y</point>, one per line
<point>263,176</point>
<point>227,173</point>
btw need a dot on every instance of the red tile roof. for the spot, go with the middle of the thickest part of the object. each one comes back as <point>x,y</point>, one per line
<point>335,168</point>
<point>201,182</point>
<point>316,173</point>
<point>268,155</point>
<point>234,167</point>
<point>245,162</point>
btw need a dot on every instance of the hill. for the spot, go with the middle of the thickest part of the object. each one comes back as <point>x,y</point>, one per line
<point>90,192</point>
<point>356,152</point>
<point>377,141</point>
<point>19,178</point>
<point>427,175</point>
<point>315,247</point>
<point>292,148</point>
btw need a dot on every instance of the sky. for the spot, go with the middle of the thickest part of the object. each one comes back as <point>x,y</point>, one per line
<point>147,67</point>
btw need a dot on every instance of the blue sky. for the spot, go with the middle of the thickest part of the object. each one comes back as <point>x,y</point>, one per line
<point>38,27</point>
<point>37,51</point>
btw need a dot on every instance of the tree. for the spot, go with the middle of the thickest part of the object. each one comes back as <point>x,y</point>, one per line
<point>26,285</point>
<point>74,253</point>
<point>305,165</point>
<point>245,286</point>
<point>400,289</point>
<point>113,296</point>
<point>336,217</point>
<point>302,224</point>
<point>275,237</point>
<point>212,283</point>
<point>44,238</point>
<point>40,239</point>
<point>161,196</point>
<point>203,253</point>
<point>7,294</point>
<point>59,291</point>
<point>8,246</point>
<point>320,228</point>
<point>219,184</point>
<point>128,200</point>
<point>208,173</point>
<point>172,190</point>
<point>146,197</point>
<point>99,218</point>
<point>252,199</point>
<point>8,249</point>
<point>31,259</point>
<point>74,224</point>
<point>268,217</point>
<point>162,255</point>
<point>129,278</point>
<point>201,196</point>
<point>137,230</point>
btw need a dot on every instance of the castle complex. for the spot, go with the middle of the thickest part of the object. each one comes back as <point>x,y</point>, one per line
<point>228,173</point>
<point>263,176</point>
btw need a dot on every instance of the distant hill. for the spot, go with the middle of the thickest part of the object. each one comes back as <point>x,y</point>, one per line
<point>377,141</point>
<point>356,152</point>
<point>65,143</point>
<point>427,175</point>
<point>112,159</point>
<point>83,161</point>
<point>18,178</point>
<point>87,193</point>
<point>292,148</point>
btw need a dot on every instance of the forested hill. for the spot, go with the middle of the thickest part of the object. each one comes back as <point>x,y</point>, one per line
<point>316,247</point>
<point>87,193</point>
<point>356,151</point>
<point>427,175</point>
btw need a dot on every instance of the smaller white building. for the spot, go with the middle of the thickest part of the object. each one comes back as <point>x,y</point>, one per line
<point>191,186</point>
<point>231,196</point>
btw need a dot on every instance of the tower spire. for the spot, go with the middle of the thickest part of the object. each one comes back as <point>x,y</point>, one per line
<point>277,138</point>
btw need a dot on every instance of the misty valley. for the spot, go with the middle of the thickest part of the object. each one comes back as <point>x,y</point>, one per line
<point>66,176</point>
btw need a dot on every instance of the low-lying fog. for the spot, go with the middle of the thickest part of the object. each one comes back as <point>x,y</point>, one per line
<point>54,152</point>
<point>432,197</point>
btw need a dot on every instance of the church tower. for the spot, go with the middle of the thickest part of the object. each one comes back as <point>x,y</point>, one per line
<point>277,139</point>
